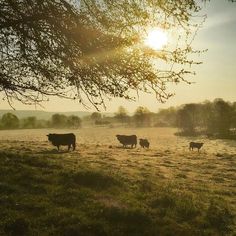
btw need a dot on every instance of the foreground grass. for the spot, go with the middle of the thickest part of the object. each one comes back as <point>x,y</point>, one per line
<point>44,195</point>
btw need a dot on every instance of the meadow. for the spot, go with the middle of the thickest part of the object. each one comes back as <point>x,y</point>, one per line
<point>104,189</point>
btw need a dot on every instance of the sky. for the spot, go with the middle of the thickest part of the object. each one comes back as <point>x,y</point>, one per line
<point>215,78</point>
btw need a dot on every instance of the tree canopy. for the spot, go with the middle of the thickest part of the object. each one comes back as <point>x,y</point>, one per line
<point>89,50</point>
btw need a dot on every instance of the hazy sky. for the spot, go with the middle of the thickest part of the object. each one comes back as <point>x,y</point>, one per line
<point>215,78</point>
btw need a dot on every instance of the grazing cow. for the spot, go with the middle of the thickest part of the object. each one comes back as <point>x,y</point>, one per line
<point>127,140</point>
<point>144,143</point>
<point>193,145</point>
<point>62,139</point>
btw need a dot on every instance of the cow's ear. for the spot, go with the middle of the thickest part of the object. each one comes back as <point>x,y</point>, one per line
<point>48,135</point>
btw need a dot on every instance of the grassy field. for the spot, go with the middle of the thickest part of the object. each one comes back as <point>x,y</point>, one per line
<point>103,189</point>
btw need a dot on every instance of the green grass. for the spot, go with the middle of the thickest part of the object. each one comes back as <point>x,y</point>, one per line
<point>42,195</point>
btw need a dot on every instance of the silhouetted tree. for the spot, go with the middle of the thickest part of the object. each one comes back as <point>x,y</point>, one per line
<point>88,49</point>
<point>10,121</point>
<point>73,122</point>
<point>29,122</point>
<point>223,113</point>
<point>96,116</point>
<point>233,125</point>
<point>188,119</point>
<point>58,121</point>
<point>142,117</point>
<point>166,117</point>
<point>121,115</point>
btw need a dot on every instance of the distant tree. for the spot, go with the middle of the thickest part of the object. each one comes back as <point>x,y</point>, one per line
<point>166,117</point>
<point>58,121</point>
<point>233,125</point>
<point>142,117</point>
<point>29,122</point>
<point>73,122</point>
<point>121,115</point>
<point>188,119</point>
<point>206,114</point>
<point>96,116</point>
<point>10,121</point>
<point>223,113</point>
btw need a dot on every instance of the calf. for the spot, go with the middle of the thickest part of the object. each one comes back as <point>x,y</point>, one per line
<point>144,143</point>
<point>62,139</point>
<point>127,140</point>
<point>193,145</point>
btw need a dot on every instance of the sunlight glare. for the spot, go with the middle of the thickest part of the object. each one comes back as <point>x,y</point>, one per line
<point>156,39</point>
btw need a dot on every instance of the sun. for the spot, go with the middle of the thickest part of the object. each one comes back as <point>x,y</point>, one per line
<point>156,39</point>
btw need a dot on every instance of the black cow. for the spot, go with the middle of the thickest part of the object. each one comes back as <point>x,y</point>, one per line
<point>127,140</point>
<point>144,143</point>
<point>62,139</point>
<point>193,145</point>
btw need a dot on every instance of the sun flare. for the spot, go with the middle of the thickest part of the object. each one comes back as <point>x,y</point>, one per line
<point>156,39</point>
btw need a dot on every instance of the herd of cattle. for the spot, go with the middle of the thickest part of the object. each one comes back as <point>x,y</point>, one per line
<point>126,140</point>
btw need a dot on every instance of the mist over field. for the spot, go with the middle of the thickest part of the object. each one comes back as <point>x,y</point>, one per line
<point>102,188</point>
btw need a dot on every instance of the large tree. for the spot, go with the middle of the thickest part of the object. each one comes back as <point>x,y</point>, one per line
<point>9,121</point>
<point>188,118</point>
<point>88,50</point>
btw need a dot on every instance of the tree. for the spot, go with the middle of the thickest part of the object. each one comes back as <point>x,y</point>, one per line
<point>223,113</point>
<point>88,50</point>
<point>29,122</point>
<point>10,121</point>
<point>142,117</point>
<point>73,122</point>
<point>95,116</point>
<point>188,119</point>
<point>166,117</point>
<point>234,116</point>
<point>121,115</point>
<point>58,121</point>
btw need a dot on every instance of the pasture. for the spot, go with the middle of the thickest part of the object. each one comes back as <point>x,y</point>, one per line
<point>104,189</point>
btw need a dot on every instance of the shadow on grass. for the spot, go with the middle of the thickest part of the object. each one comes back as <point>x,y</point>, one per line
<point>53,151</point>
<point>121,147</point>
<point>91,179</point>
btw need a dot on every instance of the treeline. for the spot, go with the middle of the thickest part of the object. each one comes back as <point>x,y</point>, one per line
<point>11,121</point>
<point>142,117</point>
<point>217,119</point>
<point>214,119</point>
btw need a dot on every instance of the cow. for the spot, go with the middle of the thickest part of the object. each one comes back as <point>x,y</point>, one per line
<point>62,139</point>
<point>144,143</point>
<point>193,145</point>
<point>127,140</point>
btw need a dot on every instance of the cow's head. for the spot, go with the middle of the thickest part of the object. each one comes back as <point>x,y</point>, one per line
<point>49,137</point>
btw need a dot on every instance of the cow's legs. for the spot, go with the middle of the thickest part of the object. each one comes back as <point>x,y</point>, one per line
<point>58,147</point>
<point>69,147</point>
